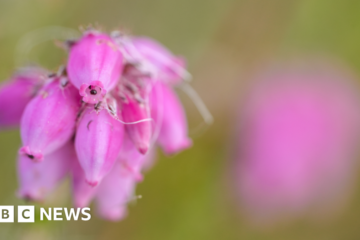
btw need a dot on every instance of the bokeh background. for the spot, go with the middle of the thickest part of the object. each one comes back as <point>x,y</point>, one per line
<point>188,196</point>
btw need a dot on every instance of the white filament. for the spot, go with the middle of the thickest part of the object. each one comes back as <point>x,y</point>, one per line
<point>200,105</point>
<point>136,122</point>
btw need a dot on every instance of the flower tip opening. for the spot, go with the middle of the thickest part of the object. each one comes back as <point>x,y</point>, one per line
<point>143,148</point>
<point>92,93</point>
<point>92,183</point>
<point>28,196</point>
<point>173,150</point>
<point>34,156</point>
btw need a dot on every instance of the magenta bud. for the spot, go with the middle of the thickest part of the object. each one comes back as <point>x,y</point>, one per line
<point>16,93</point>
<point>98,141</point>
<point>82,191</point>
<point>133,161</point>
<point>114,192</point>
<point>49,119</point>
<point>164,65</point>
<point>38,179</point>
<point>170,119</point>
<point>137,116</point>
<point>94,66</point>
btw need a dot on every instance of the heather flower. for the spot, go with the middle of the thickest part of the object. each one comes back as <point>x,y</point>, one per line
<point>48,121</point>
<point>17,92</point>
<point>106,141</point>
<point>132,93</point>
<point>117,188</point>
<point>82,191</point>
<point>164,64</point>
<point>152,58</point>
<point>98,141</point>
<point>169,118</point>
<point>94,66</point>
<point>37,180</point>
<point>140,132</point>
<point>299,132</point>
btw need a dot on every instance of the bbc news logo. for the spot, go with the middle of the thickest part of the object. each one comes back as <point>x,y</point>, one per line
<point>26,214</point>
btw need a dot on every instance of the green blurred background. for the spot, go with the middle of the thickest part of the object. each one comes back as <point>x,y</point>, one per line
<point>188,196</point>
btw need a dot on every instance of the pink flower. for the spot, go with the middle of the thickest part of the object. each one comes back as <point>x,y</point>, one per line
<point>39,179</point>
<point>117,188</point>
<point>169,118</point>
<point>114,193</point>
<point>299,132</point>
<point>82,191</point>
<point>106,141</point>
<point>112,203</point>
<point>98,140</point>
<point>139,131</point>
<point>94,65</point>
<point>132,93</point>
<point>48,121</point>
<point>156,60</point>
<point>16,93</point>
<point>134,161</point>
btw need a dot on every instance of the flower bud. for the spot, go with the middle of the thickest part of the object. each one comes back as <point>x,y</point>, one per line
<point>48,121</point>
<point>133,160</point>
<point>159,61</point>
<point>114,192</point>
<point>94,66</point>
<point>98,141</point>
<point>16,93</point>
<point>170,119</point>
<point>81,190</point>
<point>137,115</point>
<point>38,179</point>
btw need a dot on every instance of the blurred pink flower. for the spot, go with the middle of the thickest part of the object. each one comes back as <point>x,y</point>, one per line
<point>169,117</point>
<point>299,131</point>
<point>39,179</point>
<point>17,92</point>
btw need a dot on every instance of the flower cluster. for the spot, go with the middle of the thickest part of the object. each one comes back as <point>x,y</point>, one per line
<point>97,119</point>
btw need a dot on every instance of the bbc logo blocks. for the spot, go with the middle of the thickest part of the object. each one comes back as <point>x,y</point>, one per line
<point>24,214</point>
<point>6,213</point>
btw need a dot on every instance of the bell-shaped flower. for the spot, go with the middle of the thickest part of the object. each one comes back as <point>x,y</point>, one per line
<point>153,58</point>
<point>98,141</point>
<point>133,160</point>
<point>39,179</point>
<point>114,193</point>
<point>136,115</point>
<point>118,187</point>
<point>16,93</point>
<point>132,94</point>
<point>82,192</point>
<point>94,65</point>
<point>170,119</point>
<point>49,119</point>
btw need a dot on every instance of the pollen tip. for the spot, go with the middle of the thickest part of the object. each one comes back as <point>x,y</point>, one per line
<point>34,156</point>
<point>92,183</point>
<point>143,149</point>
